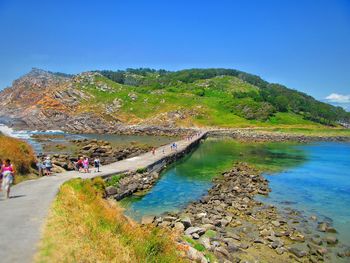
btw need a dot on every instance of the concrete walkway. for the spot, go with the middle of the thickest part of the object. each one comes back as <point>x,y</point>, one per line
<point>22,217</point>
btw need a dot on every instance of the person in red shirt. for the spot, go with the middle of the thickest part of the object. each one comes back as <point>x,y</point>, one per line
<point>8,174</point>
<point>80,164</point>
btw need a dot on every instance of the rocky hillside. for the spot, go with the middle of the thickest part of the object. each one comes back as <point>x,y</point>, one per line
<point>43,100</point>
<point>105,101</point>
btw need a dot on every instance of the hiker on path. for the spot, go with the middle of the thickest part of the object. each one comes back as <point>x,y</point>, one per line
<point>79,164</point>
<point>174,146</point>
<point>48,166</point>
<point>86,165</point>
<point>8,177</point>
<point>154,151</point>
<point>1,163</point>
<point>40,166</point>
<point>97,164</point>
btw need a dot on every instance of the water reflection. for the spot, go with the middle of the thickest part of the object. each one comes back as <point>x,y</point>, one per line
<point>190,178</point>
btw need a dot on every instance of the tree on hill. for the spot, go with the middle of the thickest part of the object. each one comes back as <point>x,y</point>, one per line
<point>278,97</point>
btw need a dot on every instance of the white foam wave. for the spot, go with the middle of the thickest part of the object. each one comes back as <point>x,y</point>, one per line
<point>21,134</point>
<point>13,133</point>
<point>54,131</point>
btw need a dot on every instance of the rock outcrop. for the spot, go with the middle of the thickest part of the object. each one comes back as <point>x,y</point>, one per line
<point>97,148</point>
<point>43,100</point>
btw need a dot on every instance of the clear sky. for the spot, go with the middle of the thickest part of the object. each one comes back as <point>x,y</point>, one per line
<point>304,44</point>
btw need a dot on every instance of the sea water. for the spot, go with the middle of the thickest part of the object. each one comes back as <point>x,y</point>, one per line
<point>313,178</point>
<point>320,186</point>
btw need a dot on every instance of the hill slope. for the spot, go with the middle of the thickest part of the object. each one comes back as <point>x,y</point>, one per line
<point>101,100</point>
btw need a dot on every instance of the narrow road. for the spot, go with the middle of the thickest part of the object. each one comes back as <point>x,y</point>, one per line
<point>22,216</point>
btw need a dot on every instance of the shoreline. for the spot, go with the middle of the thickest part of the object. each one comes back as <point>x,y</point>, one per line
<point>48,187</point>
<point>232,225</point>
<point>250,133</point>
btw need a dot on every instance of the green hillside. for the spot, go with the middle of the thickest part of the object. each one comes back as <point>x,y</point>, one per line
<point>204,97</point>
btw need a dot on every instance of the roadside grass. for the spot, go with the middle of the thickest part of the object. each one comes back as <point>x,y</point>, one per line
<point>84,227</point>
<point>21,155</point>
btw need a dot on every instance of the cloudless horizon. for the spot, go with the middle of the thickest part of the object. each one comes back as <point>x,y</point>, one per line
<point>304,45</point>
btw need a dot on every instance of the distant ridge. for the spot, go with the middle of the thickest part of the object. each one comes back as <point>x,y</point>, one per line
<point>98,101</point>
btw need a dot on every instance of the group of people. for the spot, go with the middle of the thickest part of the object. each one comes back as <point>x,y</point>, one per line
<point>189,137</point>
<point>44,165</point>
<point>7,176</point>
<point>83,165</point>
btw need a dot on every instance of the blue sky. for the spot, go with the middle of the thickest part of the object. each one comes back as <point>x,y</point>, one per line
<point>304,44</point>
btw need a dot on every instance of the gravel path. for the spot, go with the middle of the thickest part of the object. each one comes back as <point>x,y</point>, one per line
<point>22,216</point>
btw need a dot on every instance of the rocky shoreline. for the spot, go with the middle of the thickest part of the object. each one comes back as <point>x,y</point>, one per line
<point>251,135</point>
<point>123,185</point>
<point>92,148</point>
<point>231,225</point>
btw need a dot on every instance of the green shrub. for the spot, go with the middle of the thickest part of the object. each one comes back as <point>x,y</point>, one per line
<point>141,170</point>
<point>114,180</point>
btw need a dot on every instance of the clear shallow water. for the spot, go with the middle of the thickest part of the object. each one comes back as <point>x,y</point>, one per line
<point>320,186</point>
<point>190,178</point>
<point>314,178</point>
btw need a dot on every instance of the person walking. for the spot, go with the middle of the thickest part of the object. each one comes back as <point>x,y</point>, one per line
<point>40,166</point>
<point>154,151</point>
<point>79,164</point>
<point>97,164</point>
<point>1,163</point>
<point>48,166</point>
<point>8,173</point>
<point>86,165</point>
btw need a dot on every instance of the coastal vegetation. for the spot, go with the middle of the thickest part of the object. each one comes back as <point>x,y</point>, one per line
<point>84,227</point>
<point>231,92</point>
<point>21,155</point>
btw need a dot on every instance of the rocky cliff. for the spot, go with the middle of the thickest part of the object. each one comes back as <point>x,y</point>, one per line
<point>43,100</point>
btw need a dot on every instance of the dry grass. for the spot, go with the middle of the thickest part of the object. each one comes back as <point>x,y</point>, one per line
<point>19,152</point>
<point>84,227</point>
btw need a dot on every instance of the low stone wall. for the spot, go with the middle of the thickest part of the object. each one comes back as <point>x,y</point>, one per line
<point>176,155</point>
<point>132,182</point>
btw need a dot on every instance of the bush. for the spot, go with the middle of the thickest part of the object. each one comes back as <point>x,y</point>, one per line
<point>114,180</point>
<point>141,170</point>
<point>19,152</point>
<point>250,109</point>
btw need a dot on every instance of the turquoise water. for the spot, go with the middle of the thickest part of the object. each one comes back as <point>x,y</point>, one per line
<point>314,178</point>
<point>320,186</point>
<point>190,178</point>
